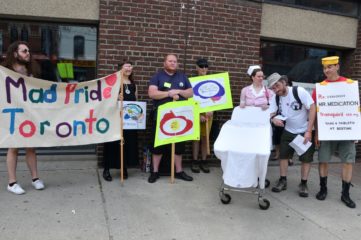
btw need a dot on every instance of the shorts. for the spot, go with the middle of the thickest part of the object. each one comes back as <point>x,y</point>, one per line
<point>179,147</point>
<point>203,127</point>
<point>346,151</point>
<point>286,151</point>
<point>276,134</point>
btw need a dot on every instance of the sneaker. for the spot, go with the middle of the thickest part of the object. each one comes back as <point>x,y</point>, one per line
<point>204,167</point>
<point>182,175</point>
<point>280,186</point>
<point>195,166</point>
<point>16,189</point>
<point>303,190</point>
<point>153,177</point>
<point>38,184</point>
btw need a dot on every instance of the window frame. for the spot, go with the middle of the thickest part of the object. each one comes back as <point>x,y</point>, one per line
<point>358,14</point>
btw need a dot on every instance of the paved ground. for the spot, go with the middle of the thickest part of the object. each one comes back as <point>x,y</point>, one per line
<point>79,204</point>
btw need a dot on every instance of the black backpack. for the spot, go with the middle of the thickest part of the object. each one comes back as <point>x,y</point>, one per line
<point>295,94</point>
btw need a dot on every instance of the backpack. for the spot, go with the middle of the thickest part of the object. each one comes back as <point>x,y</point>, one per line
<point>295,95</point>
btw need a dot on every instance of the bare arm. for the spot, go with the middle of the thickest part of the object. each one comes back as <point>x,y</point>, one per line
<point>187,93</point>
<point>311,121</point>
<point>154,93</point>
<point>242,102</point>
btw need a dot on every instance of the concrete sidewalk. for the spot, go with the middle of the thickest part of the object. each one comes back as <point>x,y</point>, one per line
<point>78,204</point>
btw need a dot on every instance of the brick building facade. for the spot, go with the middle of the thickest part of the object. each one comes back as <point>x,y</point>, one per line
<point>231,34</point>
<point>227,33</point>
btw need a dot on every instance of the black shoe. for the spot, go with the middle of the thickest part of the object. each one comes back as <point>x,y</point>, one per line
<point>348,201</point>
<point>107,176</point>
<point>182,175</point>
<point>204,167</point>
<point>195,166</point>
<point>153,177</point>
<point>322,194</point>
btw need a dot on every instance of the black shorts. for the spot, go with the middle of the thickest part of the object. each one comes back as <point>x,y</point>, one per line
<point>276,134</point>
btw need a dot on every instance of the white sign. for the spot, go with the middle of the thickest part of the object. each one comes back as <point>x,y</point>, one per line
<point>134,115</point>
<point>338,111</point>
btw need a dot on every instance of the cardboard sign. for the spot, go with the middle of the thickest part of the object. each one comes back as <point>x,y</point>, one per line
<point>338,111</point>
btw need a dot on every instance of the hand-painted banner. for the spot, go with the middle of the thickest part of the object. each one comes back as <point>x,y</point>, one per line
<point>39,113</point>
<point>177,122</point>
<point>212,92</point>
<point>338,111</point>
<point>134,115</point>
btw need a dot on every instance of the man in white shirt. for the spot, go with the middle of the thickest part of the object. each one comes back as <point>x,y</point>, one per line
<point>299,114</point>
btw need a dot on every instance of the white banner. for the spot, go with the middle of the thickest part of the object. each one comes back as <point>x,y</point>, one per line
<point>134,115</point>
<point>338,111</point>
<point>39,113</point>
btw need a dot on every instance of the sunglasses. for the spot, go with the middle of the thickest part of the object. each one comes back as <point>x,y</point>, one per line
<point>25,51</point>
<point>203,66</point>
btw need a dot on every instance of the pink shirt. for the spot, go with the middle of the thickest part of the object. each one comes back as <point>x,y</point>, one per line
<point>250,97</point>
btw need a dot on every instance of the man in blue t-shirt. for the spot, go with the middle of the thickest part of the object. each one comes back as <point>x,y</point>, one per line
<point>164,86</point>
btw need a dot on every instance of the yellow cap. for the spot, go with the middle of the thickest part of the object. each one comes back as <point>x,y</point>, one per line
<point>330,60</point>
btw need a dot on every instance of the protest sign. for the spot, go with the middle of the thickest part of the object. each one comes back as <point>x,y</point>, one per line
<point>338,110</point>
<point>212,92</point>
<point>177,122</point>
<point>40,113</point>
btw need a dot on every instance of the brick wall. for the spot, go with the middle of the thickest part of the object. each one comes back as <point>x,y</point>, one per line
<point>143,31</point>
<point>352,68</point>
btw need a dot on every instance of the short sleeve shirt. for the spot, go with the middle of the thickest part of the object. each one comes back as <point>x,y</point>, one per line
<point>340,79</point>
<point>166,82</point>
<point>252,98</point>
<point>297,118</point>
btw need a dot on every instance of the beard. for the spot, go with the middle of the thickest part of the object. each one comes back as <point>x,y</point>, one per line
<point>22,61</point>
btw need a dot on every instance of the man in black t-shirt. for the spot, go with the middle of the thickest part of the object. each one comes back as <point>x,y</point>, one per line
<point>165,86</point>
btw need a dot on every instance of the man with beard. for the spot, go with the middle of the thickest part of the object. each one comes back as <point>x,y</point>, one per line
<point>293,109</point>
<point>18,59</point>
<point>165,86</point>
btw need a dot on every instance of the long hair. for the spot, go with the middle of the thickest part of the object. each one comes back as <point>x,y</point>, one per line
<point>31,67</point>
<point>120,65</point>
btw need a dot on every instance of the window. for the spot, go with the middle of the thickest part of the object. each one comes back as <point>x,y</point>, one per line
<point>14,36</point>
<point>52,43</point>
<point>300,63</point>
<point>344,7</point>
<point>24,34</point>
<point>79,46</point>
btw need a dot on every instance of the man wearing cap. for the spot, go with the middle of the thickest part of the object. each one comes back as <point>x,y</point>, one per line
<point>296,114</point>
<point>197,166</point>
<point>346,149</point>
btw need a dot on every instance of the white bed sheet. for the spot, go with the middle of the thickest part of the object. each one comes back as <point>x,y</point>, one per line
<point>243,146</point>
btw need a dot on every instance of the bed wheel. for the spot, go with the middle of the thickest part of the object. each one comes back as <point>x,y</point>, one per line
<point>226,198</point>
<point>263,203</point>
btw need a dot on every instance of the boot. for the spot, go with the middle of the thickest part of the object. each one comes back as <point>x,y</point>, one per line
<point>321,195</point>
<point>106,175</point>
<point>345,197</point>
<point>195,166</point>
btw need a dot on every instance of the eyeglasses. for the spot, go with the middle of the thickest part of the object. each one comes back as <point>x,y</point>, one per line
<point>203,66</point>
<point>25,50</point>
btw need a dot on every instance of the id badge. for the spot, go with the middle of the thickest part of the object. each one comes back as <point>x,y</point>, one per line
<point>167,85</point>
